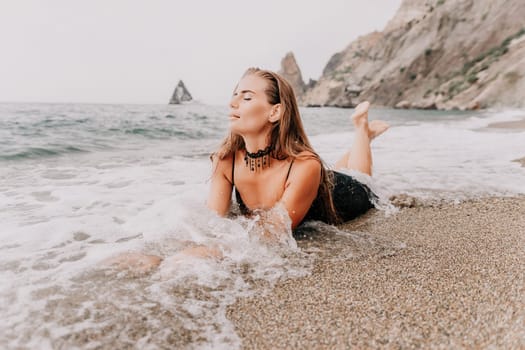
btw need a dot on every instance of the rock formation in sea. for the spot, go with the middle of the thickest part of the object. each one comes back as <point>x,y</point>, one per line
<point>291,72</point>
<point>180,94</point>
<point>433,54</point>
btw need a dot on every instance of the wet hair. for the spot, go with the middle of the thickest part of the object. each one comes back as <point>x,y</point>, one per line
<point>287,136</point>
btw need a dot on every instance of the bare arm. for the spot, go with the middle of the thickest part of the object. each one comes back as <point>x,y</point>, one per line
<point>300,192</point>
<point>219,197</point>
<point>302,188</point>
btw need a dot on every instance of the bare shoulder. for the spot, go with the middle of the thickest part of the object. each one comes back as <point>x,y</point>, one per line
<point>307,155</point>
<point>306,166</point>
<point>307,159</point>
<point>222,167</point>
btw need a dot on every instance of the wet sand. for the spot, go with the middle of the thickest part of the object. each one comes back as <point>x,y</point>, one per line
<point>459,283</point>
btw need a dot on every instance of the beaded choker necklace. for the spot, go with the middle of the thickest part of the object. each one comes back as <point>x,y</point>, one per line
<point>258,160</point>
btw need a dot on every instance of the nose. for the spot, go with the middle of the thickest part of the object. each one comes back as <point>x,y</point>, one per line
<point>233,102</point>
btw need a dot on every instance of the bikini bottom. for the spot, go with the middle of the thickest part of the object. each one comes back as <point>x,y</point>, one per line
<point>351,198</point>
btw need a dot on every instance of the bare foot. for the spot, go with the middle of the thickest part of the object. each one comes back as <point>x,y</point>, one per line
<point>360,116</point>
<point>376,128</point>
<point>360,120</point>
<point>134,262</point>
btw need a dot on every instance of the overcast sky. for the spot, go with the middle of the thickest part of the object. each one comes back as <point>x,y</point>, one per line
<point>127,51</point>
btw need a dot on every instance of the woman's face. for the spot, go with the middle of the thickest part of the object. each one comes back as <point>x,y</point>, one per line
<point>249,107</point>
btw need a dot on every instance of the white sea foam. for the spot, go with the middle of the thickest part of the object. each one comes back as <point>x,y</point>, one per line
<point>442,159</point>
<point>57,228</point>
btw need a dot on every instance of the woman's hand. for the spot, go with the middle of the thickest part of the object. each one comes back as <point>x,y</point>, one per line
<point>272,225</point>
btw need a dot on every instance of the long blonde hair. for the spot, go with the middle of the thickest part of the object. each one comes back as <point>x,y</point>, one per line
<point>287,136</point>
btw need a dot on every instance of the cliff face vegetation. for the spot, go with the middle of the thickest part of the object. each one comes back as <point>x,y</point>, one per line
<point>443,54</point>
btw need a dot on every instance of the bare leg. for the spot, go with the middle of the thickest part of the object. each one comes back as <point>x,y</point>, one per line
<point>171,265</point>
<point>365,132</point>
<point>361,159</point>
<point>201,251</point>
<point>141,263</point>
<point>375,128</point>
<point>133,261</point>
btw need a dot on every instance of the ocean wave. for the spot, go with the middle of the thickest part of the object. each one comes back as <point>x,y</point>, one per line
<point>155,133</point>
<point>41,152</point>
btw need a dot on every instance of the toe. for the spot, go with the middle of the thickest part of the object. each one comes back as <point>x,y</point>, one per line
<point>362,107</point>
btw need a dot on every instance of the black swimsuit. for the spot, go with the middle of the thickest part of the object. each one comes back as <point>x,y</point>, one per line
<point>351,198</point>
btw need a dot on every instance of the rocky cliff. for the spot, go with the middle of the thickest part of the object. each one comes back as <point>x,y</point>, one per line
<point>180,94</point>
<point>441,54</point>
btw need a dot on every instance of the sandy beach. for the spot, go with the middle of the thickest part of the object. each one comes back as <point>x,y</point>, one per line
<point>459,282</point>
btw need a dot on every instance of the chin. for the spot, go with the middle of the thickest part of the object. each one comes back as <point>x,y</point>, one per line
<point>234,130</point>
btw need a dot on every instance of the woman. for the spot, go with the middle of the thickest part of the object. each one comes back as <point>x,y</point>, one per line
<point>267,157</point>
<point>268,160</point>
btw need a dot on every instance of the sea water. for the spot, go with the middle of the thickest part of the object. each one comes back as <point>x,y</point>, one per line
<point>80,183</point>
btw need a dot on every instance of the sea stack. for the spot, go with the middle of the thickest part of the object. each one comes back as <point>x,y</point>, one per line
<point>180,94</point>
<point>291,72</point>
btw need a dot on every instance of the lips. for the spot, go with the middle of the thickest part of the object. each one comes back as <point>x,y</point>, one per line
<point>234,116</point>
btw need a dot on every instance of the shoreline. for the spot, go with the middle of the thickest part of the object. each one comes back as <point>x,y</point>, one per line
<point>460,282</point>
<point>511,124</point>
<point>520,161</point>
